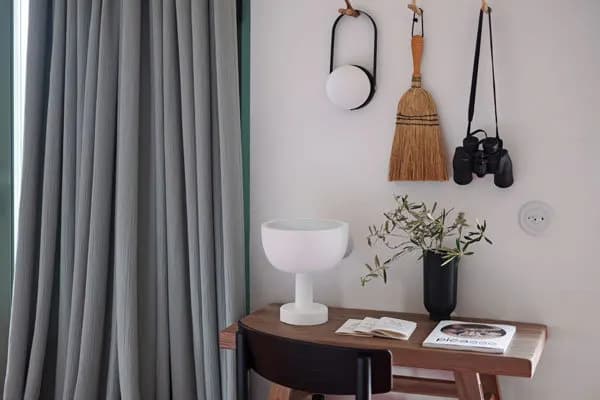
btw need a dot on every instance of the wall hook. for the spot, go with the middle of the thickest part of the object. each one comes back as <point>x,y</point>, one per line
<point>415,9</point>
<point>349,10</point>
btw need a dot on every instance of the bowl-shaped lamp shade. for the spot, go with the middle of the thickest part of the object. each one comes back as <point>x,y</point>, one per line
<point>301,246</point>
<point>304,245</point>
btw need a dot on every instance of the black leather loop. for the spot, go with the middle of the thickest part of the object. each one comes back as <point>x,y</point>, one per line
<point>332,50</point>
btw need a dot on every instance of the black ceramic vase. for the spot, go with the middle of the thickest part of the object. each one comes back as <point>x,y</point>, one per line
<point>439,286</point>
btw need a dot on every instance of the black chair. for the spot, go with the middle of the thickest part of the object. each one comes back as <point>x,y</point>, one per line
<point>309,367</point>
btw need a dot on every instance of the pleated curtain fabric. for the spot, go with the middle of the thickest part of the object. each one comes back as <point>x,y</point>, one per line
<point>130,246</point>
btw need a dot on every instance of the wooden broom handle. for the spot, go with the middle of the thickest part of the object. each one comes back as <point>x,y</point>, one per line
<point>417,52</point>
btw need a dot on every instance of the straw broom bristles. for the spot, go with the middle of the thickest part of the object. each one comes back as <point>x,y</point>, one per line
<point>418,151</point>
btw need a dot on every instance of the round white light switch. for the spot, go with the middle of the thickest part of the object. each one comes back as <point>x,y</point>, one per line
<point>535,217</point>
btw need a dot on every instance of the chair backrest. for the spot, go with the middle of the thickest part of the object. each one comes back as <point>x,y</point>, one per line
<point>315,368</point>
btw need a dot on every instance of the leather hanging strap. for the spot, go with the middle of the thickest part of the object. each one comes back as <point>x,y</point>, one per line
<point>476,73</point>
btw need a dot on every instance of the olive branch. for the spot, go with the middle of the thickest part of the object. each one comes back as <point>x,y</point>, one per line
<point>415,226</point>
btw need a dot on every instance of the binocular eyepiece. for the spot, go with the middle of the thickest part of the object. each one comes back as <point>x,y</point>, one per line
<point>482,157</point>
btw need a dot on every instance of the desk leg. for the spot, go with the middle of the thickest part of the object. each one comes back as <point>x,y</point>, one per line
<point>279,392</point>
<point>468,385</point>
<point>491,387</point>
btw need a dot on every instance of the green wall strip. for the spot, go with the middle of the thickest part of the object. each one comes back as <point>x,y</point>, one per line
<point>244,66</point>
<point>6,176</point>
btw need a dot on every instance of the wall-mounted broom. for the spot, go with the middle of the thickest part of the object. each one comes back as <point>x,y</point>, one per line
<point>418,152</point>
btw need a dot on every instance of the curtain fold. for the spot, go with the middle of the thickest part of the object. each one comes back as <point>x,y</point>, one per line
<point>130,250</point>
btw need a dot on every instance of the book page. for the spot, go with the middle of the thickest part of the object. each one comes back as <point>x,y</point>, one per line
<point>349,328</point>
<point>366,325</point>
<point>394,328</point>
<point>386,327</point>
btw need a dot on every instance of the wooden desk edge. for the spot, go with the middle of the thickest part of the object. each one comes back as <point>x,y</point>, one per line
<point>227,337</point>
<point>227,341</point>
<point>537,354</point>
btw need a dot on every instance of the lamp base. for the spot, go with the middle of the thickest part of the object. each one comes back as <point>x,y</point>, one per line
<point>309,314</point>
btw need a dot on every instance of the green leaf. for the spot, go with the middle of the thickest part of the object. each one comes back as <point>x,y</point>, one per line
<point>369,267</point>
<point>377,263</point>
<point>384,276</point>
<point>448,261</point>
<point>487,240</point>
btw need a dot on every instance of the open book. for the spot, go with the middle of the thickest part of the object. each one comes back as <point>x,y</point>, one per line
<point>471,336</point>
<point>386,327</point>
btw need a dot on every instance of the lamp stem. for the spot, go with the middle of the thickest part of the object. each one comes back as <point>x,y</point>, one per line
<point>304,290</point>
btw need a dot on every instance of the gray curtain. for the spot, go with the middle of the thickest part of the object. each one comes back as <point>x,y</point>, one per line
<point>130,248</point>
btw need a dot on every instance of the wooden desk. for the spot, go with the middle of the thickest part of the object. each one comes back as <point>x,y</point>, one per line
<point>475,373</point>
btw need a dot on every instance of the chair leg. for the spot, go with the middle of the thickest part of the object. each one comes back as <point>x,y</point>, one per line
<point>241,367</point>
<point>363,378</point>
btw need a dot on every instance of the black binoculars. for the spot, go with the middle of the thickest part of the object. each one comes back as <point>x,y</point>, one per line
<point>481,157</point>
<point>488,155</point>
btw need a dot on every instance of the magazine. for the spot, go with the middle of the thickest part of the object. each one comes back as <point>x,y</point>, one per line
<point>471,336</point>
<point>391,328</point>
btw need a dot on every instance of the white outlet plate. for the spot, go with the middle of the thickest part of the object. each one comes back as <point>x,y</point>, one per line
<point>535,217</point>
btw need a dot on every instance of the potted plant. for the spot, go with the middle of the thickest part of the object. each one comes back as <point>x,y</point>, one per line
<point>442,240</point>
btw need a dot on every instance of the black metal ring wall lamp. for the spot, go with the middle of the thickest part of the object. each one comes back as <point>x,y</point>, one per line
<point>351,86</point>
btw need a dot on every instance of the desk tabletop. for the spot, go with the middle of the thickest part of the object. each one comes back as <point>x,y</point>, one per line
<point>520,359</point>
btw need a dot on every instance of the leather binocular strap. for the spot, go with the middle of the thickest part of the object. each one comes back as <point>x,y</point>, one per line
<point>476,72</point>
<point>332,50</point>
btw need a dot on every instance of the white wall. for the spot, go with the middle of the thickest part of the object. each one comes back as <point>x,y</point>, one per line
<point>310,159</point>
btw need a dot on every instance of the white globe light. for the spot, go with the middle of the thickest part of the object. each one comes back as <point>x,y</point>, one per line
<point>348,87</point>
